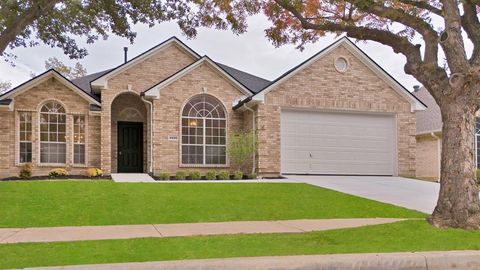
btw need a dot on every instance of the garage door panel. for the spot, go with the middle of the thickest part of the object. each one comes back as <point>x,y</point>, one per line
<point>337,143</point>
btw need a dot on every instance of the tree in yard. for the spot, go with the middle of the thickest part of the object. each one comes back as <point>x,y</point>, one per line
<point>5,86</point>
<point>70,72</point>
<point>455,84</point>
<point>26,23</point>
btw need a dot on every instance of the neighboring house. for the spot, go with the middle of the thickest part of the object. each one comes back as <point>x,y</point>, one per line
<point>429,137</point>
<point>170,109</point>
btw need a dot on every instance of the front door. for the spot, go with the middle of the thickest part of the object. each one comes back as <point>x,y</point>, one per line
<point>130,147</point>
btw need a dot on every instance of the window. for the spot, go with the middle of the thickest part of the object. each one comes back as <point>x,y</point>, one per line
<point>79,139</point>
<point>53,147</point>
<point>204,128</point>
<point>477,140</point>
<point>341,64</point>
<point>25,137</point>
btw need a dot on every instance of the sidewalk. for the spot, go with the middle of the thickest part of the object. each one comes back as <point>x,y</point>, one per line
<point>439,260</point>
<point>65,234</point>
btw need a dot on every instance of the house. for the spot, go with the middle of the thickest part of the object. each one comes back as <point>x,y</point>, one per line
<point>171,109</point>
<point>429,137</point>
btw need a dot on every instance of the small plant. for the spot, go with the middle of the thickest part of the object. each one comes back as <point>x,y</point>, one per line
<point>94,172</point>
<point>238,175</point>
<point>58,172</point>
<point>477,175</point>
<point>26,171</point>
<point>241,149</point>
<point>194,175</point>
<point>224,175</point>
<point>211,175</point>
<point>164,176</point>
<point>180,175</point>
<point>252,176</point>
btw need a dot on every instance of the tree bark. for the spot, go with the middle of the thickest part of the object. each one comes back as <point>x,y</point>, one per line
<point>458,203</point>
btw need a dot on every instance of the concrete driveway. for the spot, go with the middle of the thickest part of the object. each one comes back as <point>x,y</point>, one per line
<point>405,192</point>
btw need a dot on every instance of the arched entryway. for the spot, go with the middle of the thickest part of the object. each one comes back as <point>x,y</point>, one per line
<point>129,134</point>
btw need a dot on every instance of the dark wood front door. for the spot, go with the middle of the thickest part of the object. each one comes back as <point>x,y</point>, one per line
<point>130,147</point>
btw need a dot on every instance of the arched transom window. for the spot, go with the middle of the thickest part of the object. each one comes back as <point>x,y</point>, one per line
<point>204,132</point>
<point>53,146</point>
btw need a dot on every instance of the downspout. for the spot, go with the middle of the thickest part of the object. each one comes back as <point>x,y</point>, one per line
<point>439,155</point>
<point>142,96</point>
<point>254,136</point>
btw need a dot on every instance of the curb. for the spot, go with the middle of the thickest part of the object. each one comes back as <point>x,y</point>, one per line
<point>441,260</point>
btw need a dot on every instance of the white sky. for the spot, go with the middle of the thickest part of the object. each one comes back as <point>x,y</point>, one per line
<point>250,52</point>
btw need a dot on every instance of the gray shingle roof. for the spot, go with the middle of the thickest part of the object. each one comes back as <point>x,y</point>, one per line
<point>252,82</point>
<point>84,82</point>
<point>429,120</point>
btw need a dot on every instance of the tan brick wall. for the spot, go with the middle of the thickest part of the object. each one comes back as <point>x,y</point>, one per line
<point>427,165</point>
<point>31,101</point>
<point>320,86</point>
<point>141,77</point>
<point>168,109</point>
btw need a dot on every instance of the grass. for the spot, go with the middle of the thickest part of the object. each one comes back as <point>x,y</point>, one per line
<point>75,203</point>
<point>412,235</point>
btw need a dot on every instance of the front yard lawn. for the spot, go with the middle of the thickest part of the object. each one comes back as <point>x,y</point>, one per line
<point>76,203</point>
<point>411,235</point>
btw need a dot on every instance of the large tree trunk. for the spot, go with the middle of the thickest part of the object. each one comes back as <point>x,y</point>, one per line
<point>458,203</point>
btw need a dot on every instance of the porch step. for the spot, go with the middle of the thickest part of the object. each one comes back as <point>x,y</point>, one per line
<point>132,177</point>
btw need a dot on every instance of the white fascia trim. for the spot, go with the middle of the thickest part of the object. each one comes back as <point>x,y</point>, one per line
<point>42,78</point>
<point>428,132</point>
<point>154,92</point>
<point>101,82</point>
<point>8,107</point>
<point>415,104</point>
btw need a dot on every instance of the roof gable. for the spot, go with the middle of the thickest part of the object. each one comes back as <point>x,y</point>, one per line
<point>154,91</point>
<point>415,103</point>
<point>101,82</point>
<point>51,73</point>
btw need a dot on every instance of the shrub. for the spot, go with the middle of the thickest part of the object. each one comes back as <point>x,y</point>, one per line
<point>477,174</point>
<point>94,172</point>
<point>58,172</point>
<point>26,171</point>
<point>224,175</point>
<point>194,175</point>
<point>180,175</point>
<point>238,175</point>
<point>241,148</point>
<point>252,176</point>
<point>211,175</point>
<point>164,176</point>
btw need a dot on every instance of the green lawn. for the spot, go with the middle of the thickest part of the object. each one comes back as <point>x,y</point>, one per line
<point>413,235</point>
<point>68,203</point>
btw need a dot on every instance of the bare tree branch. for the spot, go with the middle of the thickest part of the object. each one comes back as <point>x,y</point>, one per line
<point>471,25</point>
<point>423,5</point>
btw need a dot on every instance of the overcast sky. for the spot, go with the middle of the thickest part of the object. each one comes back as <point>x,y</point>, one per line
<point>250,52</point>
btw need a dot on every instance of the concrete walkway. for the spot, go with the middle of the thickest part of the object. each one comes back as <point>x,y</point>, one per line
<point>64,234</point>
<point>132,178</point>
<point>404,192</point>
<point>441,260</point>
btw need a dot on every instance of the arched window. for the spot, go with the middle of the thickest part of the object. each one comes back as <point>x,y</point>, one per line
<point>204,132</point>
<point>53,146</point>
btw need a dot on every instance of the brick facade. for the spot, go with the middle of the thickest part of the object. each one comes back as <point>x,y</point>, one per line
<point>321,87</point>
<point>428,163</point>
<point>318,86</point>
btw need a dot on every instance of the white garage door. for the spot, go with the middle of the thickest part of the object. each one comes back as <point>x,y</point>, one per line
<point>337,143</point>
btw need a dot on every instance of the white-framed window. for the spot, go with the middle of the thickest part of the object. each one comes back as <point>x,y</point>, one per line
<point>25,133</point>
<point>204,132</point>
<point>53,125</point>
<point>79,139</point>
